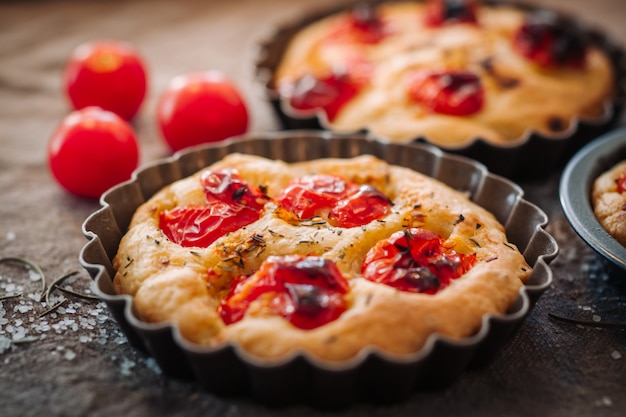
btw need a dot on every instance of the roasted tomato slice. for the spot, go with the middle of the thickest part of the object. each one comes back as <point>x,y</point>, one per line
<point>341,202</point>
<point>307,291</point>
<point>200,226</point>
<point>441,12</point>
<point>231,205</point>
<point>455,93</point>
<point>365,25</point>
<point>228,186</point>
<point>416,261</point>
<point>550,41</point>
<point>329,93</point>
<point>308,196</point>
<point>621,183</point>
<point>361,207</point>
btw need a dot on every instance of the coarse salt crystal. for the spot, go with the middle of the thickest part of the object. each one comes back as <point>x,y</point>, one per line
<point>596,318</point>
<point>33,275</point>
<point>616,355</point>
<point>5,343</point>
<point>605,401</point>
<point>126,366</point>
<point>151,364</point>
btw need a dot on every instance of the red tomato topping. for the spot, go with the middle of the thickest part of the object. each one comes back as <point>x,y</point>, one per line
<point>364,25</point>
<point>344,203</point>
<point>231,205</point>
<point>415,261</point>
<point>202,225</point>
<point>228,186</point>
<point>306,291</point>
<point>550,42</point>
<point>307,196</point>
<point>455,93</point>
<point>440,12</point>
<point>621,183</point>
<point>329,93</point>
<point>107,74</point>
<point>359,208</point>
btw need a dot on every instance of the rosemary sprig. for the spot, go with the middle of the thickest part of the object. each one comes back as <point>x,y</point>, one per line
<point>56,285</point>
<point>9,297</point>
<point>591,323</point>
<point>53,308</point>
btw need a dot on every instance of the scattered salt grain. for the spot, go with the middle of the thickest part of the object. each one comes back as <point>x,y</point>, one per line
<point>34,275</point>
<point>69,355</point>
<point>152,365</point>
<point>10,236</point>
<point>126,366</point>
<point>596,318</point>
<point>23,308</point>
<point>5,344</point>
<point>616,355</point>
<point>604,402</point>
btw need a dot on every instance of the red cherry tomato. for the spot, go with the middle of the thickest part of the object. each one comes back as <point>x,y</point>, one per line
<point>201,107</point>
<point>91,151</point>
<point>107,74</point>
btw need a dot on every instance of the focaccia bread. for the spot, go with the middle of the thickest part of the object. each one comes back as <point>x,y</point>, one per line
<point>448,71</point>
<point>608,196</point>
<point>327,257</point>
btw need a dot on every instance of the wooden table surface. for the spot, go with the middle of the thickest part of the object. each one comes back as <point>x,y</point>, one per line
<point>77,362</point>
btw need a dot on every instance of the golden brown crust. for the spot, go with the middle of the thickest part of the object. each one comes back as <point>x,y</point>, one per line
<point>520,96</point>
<point>183,286</point>
<point>609,205</point>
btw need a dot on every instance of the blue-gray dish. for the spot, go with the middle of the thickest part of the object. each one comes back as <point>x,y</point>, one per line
<point>372,375</point>
<point>575,193</point>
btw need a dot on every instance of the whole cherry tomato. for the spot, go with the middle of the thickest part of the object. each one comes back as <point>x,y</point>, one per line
<point>92,150</point>
<point>107,74</point>
<point>200,107</point>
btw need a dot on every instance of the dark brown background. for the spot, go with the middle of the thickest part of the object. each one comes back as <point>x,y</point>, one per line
<point>76,362</point>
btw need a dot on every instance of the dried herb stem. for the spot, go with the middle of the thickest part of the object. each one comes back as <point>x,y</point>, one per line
<point>9,297</point>
<point>591,323</point>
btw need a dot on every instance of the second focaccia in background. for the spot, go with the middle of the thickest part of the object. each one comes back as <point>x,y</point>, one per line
<point>449,71</point>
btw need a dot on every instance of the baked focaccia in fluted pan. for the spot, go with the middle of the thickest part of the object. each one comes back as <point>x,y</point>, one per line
<point>307,267</point>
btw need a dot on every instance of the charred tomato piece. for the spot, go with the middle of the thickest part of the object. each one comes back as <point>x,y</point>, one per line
<point>341,202</point>
<point>415,260</point>
<point>442,12</point>
<point>231,204</point>
<point>455,93</point>
<point>551,41</point>
<point>307,291</point>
